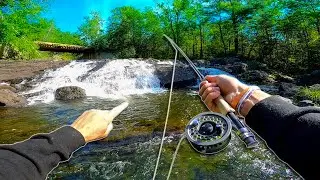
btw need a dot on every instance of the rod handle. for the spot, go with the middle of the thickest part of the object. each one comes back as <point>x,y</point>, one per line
<point>223,106</point>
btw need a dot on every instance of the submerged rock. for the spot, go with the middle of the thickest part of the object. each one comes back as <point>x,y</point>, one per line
<point>11,99</point>
<point>70,93</point>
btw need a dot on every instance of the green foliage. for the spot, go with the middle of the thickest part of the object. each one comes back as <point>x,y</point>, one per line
<point>21,24</point>
<point>311,94</point>
<point>281,34</point>
<point>91,29</point>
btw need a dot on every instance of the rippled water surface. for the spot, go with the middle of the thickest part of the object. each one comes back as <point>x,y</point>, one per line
<point>131,149</point>
<point>130,152</point>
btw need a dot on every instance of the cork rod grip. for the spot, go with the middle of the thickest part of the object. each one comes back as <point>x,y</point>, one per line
<point>223,106</point>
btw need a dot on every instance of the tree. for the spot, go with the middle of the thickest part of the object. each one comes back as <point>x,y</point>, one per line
<point>92,28</point>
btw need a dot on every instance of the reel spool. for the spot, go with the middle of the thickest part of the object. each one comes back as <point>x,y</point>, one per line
<point>209,133</point>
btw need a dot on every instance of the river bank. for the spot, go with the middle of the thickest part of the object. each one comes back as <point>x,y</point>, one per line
<point>15,71</point>
<point>272,81</point>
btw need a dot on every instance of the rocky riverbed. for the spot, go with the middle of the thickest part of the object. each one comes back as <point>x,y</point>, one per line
<point>272,82</point>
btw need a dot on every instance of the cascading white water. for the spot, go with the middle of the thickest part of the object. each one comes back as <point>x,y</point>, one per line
<point>106,79</point>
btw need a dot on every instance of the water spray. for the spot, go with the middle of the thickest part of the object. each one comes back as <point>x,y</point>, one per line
<point>210,133</point>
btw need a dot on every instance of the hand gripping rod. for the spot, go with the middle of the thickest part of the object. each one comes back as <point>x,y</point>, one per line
<point>243,132</point>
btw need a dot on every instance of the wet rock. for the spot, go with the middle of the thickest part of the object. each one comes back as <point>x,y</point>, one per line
<point>255,76</point>
<point>11,99</point>
<point>239,67</point>
<point>288,89</point>
<point>306,103</point>
<point>7,86</point>
<point>70,93</point>
<point>184,75</point>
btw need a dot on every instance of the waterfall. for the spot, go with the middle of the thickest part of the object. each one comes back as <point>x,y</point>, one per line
<point>105,79</point>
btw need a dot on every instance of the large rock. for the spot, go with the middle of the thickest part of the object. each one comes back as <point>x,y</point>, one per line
<point>11,99</point>
<point>256,76</point>
<point>309,79</point>
<point>70,93</point>
<point>184,75</point>
<point>239,67</point>
<point>201,63</point>
<point>288,89</point>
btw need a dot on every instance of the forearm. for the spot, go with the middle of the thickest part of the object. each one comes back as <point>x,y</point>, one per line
<point>37,156</point>
<point>290,131</point>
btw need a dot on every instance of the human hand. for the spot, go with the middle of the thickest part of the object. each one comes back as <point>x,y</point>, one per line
<point>214,86</point>
<point>97,124</point>
<point>228,87</point>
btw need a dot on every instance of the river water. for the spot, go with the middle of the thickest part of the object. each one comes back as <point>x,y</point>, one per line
<point>131,149</point>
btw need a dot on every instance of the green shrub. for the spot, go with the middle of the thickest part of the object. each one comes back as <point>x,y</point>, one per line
<point>311,93</point>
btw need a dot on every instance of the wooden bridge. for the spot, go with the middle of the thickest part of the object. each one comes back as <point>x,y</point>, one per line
<point>57,47</point>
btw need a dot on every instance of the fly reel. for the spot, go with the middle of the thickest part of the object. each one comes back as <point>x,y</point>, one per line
<point>209,133</point>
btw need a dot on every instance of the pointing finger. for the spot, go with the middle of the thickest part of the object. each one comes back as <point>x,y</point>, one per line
<point>117,110</point>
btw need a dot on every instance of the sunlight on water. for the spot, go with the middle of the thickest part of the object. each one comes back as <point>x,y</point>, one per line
<point>107,79</point>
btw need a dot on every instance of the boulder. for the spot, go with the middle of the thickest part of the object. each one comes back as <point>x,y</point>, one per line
<point>306,103</point>
<point>201,63</point>
<point>70,93</point>
<point>257,76</point>
<point>309,79</point>
<point>11,99</point>
<point>239,67</point>
<point>184,75</point>
<point>288,89</point>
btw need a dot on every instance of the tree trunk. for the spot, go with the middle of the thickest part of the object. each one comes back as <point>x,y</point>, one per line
<point>201,42</point>
<point>318,25</point>
<point>193,45</point>
<point>222,39</point>
<point>236,33</point>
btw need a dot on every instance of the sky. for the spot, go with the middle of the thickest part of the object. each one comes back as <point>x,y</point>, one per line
<point>68,14</point>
